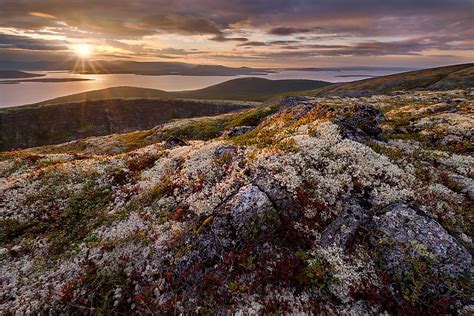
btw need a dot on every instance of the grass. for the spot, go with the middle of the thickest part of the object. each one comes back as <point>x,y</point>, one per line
<point>209,128</point>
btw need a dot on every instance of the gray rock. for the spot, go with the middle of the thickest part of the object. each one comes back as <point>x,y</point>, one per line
<point>402,236</point>
<point>174,142</point>
<point>344,227</point>
<point>238,130</point>
<point>248,209</point>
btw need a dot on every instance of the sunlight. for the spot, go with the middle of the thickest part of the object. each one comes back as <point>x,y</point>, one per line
<point>83,50</point>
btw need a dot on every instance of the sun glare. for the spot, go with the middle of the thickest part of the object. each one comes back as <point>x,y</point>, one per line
<point>83,50</point>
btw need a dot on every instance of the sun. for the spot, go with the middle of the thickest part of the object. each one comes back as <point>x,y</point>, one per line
<point>83,50</point>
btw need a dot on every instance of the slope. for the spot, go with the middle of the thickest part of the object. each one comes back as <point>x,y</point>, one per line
<point>441,78</point>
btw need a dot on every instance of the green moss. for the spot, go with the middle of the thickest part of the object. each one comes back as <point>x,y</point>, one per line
<point>394,154</point>
<point>101,286</point>
<point>201,130</point>
<point>164,187</point>
<point>252,117</point>
<point>205,129</point>
<point>318,272</point>
<point>10,229</point>
<point>84,213</point>
<point>259,137</point>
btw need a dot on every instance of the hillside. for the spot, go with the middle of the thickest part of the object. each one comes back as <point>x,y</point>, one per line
<point>11,74</point>
<point>242,89</point>
<point>31,126</point>
<point>441,78</point>
<point>300,205</point>
<point>109,93</point>
<point>254,89</point>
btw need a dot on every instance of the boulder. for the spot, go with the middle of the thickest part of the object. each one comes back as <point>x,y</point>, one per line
<point>418,253</point>
<point>172,142</point>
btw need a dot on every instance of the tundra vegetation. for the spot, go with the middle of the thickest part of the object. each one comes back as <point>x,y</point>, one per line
<point>327,205</point>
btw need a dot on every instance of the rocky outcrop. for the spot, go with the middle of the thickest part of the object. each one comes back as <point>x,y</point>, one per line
<point>403,236</point>
<point>361,124</point>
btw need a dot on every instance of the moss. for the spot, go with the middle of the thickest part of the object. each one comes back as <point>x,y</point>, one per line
<point>259,137</point>
<point>318,272</point>
<point>252,117</point>
<point>199,130</point>
<point>415,280</point>
<point>205,129</point>
<point>10,229</point>
<point>164,187</point>
<point>248,263</point>
<point>100,286</point>
<point>395,154</point>
<point>84,213</point>
<point>288,145</point>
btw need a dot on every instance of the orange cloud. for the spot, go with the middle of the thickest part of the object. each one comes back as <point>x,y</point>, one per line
<point>42,15</point>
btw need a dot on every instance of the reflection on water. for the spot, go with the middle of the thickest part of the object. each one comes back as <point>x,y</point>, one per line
<point>31,92</point>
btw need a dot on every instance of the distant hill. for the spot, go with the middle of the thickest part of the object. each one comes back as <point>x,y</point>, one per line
<point>109,93</point>
<point>10,74</point>
<point>134,67</point>
<point>241,89</point>
<point>255,89</point>
<point>441,78</point>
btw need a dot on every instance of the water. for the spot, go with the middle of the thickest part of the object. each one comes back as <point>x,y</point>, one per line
<point>32,92</point>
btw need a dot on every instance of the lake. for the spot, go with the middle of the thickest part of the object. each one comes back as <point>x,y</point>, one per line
<point>31,92</point>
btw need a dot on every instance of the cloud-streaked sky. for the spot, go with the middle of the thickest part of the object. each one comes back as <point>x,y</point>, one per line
<point>257,33</point>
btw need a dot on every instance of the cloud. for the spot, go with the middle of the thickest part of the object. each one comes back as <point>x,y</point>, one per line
<point>298,27</point>
<point>24,42</point>
<point>253,43</point>
<point>140,17</point>
<point>42,15</point>
<point>274,43</point>
<point>285,30</point>
<point>223,38</point>
<point>133,48</point>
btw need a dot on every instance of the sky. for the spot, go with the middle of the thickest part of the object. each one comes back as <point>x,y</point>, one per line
<point>253,33</point>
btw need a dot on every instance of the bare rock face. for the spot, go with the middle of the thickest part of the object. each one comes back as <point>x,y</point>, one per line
<point>344,227</point>
<point>418,252</point>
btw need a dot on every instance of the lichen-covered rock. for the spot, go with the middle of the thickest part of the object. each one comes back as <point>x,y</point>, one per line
<point>418,253</point>
<point>248,208</point>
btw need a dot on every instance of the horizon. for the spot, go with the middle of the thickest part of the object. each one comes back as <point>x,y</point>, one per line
<point>257,34</point>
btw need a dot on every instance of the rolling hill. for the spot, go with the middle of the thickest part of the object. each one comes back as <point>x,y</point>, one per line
<point>13,74</point>
<point>441,78</point>
<point>252,89</point>
<point>242,89</point>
